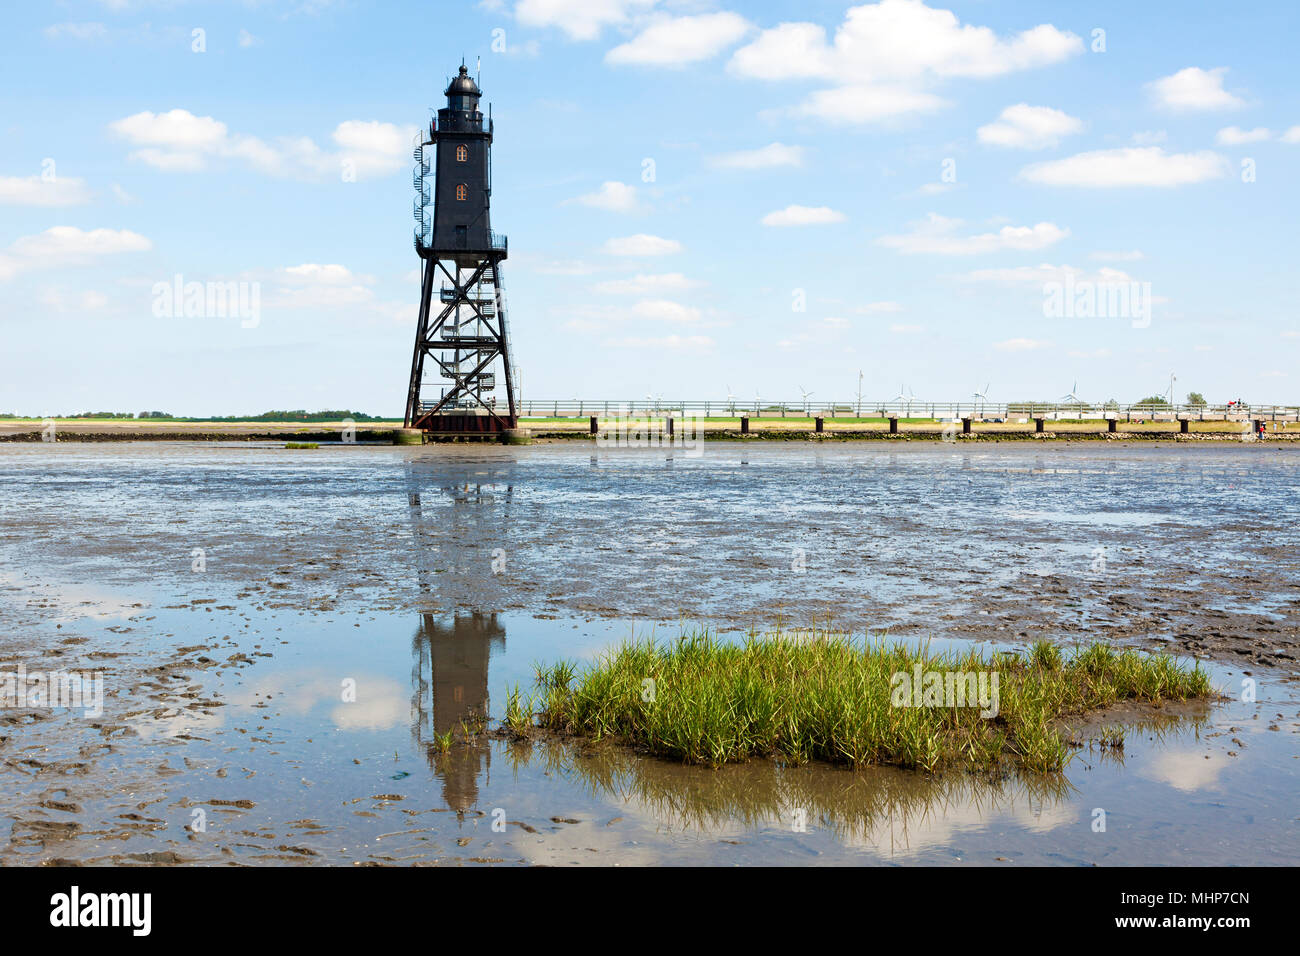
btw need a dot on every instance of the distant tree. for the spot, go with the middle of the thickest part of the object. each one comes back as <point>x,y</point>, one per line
<point>1195,398</point>
<point>1159,400</point>
<point>1112,404</point>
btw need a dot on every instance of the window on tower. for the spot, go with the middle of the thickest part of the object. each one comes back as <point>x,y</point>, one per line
<point>462,191</point>
<point>462,154</point>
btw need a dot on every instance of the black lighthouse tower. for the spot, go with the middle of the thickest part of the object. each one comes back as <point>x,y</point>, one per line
<point>463,331</point>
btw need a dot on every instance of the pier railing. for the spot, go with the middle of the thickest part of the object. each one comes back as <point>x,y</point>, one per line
<point>937,411</point>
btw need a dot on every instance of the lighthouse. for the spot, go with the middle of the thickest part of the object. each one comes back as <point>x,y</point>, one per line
<point>461,340</point>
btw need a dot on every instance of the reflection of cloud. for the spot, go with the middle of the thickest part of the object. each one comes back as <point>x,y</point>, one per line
<point>185,722</point>
<point>1187,770</point>
<point>889,811</point>
<point>378,709</point>
<point>931,827</point>
<point>379,704</point>
<point>76,601</point>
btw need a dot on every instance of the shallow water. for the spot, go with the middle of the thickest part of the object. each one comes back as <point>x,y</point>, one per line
<point>375,566</point>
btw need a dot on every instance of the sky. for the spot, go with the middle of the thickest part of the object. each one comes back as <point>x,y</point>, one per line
<point>701,199</point>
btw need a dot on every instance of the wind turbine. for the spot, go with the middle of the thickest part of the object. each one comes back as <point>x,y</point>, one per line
<point>981,397</point>
<point>1072,396</point>
<point>731,401</point>
<point>901,397</point>
<point>805,394</point>
<point>859,391</point>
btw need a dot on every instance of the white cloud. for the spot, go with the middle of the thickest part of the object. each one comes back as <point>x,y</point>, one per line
<point>1037,275</point>
<point>867,104</point>
<point>899,39</point>
<point>884,53</point>
<point>579,19</point>
<point>935,189</point>
<point>1130,256</point>
<point>612,197</point>
<point>82,302</point>
<point>1029,127</point>
<point>642,245</point>
<point>676,342</point>
<point>67,245</point>
<point>247,39</point>
<point>37,191</point>
<point>785,52</point>
<point>1194,89</point>
<point>77,31</point>
<point>664,310</point>
<point>677,41</point>
<point>333,287</point>
<point>169,162</point>
<point>795,215</point>
<point>1021,345</point>
<point>901,329</point>
<point>766,157</point>
<point>880,307</point>
<point>1235,136</point>
<point>938,235</point>
<point>122,195</point>
<point>1150,137</point>
<point>1292,135</point>
<point>175,129</point>
<point>647,284</point>
<point>327,274</point>
<point>1133,166</point>
<point>179,141</point>
<point>564,267</point>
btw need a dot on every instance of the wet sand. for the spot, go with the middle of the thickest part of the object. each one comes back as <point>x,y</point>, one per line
<point>376,565</point>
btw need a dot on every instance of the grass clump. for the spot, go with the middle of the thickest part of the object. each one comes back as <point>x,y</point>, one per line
<point>826,696</point>
<point>301,444</point>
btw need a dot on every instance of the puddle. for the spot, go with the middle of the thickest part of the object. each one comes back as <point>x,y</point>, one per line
<point>291,697</point>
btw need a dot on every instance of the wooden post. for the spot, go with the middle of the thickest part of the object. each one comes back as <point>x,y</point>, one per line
<point>1111,424</point>
<point>668,424</point>
<point>1038,424</point>
<point>893,424</point>
<point>594,425</point>
<point>819,421</point>
<point>1183,425</point>
<point>744,424</point>
<point>965,426</point>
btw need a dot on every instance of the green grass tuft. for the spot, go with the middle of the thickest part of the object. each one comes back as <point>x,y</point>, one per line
<point>822,695</point>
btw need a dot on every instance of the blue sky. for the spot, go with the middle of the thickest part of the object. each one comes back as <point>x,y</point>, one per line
<point>676,180</point>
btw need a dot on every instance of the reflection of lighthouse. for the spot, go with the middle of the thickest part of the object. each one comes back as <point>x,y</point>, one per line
<point>459,524</point>
<point>451,681</point>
